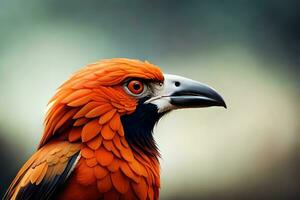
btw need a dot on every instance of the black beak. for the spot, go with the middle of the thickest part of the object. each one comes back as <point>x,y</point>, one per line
<point>192,94</point>
<point>178,92</point>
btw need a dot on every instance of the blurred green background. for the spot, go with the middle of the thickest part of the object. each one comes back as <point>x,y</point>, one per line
<point>248,50</point>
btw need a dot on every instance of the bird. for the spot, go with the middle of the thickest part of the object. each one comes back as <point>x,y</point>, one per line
<point>98,138</point>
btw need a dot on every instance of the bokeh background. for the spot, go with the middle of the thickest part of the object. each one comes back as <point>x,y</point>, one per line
<point>248,50</point>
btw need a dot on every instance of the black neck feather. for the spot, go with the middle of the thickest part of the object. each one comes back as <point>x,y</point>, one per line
<point>138,128</point>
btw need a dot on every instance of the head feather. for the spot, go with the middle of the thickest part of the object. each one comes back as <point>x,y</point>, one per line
<point>95,85</point>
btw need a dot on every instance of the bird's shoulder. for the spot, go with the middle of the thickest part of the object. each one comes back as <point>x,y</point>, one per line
<point>45,171</point>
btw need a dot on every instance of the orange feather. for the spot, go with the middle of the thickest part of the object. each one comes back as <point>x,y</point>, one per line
<point>74,134</point>
<point>95,143</point>
<point>100,172</point>
<point>98,111</point>
<point>107,133</point>
<point>107,116</point>
<point>120,181</point>
<point>87,152</point>
<point>103,156</point>
<point>104,185</point>
<point>80,121</point>
<point>76,95</point>
<point>84,116</point>
<point>85,109</point>
<point>90,130</point>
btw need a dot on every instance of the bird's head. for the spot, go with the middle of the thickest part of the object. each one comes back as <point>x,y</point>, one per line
<point>122,96</point>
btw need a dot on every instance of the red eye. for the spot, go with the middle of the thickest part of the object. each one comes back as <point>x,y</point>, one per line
<point>135,87</point>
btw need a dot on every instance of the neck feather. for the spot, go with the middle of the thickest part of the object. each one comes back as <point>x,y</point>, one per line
<point>138,128</point>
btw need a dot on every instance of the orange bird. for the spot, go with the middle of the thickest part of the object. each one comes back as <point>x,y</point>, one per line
<point>98,142</point>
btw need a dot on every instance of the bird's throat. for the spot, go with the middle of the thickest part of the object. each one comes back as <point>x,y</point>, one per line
<point>138,128</point>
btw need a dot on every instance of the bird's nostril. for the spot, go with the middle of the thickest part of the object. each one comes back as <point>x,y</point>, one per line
<point>177,84</point>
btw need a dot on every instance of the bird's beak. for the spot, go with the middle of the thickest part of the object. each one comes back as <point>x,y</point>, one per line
<point>179,92</point>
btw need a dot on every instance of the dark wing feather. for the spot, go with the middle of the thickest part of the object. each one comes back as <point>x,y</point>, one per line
<point>45,172</point>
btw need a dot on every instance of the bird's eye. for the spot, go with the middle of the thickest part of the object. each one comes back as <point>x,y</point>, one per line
<point>135,87</point>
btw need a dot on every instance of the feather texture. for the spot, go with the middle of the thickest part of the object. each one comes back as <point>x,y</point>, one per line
<point>84,120</point>
<point>44,172</point>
